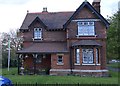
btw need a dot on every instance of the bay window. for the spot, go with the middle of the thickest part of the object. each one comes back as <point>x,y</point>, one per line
<point>87,56</point>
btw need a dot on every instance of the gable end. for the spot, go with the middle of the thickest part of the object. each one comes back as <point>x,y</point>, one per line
<point>38,19</point>
<point>92,9</point>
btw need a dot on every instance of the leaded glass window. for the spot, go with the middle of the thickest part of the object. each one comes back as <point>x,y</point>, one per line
<point>37,33</point>
<point>77,60</point>
<point>86,28</point>
<point>87,55</point>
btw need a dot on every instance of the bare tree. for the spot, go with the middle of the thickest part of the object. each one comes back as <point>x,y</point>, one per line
<point>15,44</point>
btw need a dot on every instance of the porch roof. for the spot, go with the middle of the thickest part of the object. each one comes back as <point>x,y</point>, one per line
<point>45,48</point>
<point>86,43</point>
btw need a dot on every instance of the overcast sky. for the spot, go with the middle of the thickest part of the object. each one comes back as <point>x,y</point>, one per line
<point>13,12</point>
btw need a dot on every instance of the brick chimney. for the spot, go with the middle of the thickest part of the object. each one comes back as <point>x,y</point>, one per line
<point>96,5</point>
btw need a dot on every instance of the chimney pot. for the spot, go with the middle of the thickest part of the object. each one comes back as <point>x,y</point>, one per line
<point>45,9</point>
<point>27,11</point>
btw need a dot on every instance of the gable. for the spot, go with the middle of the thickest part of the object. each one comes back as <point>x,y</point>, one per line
<point>85,13</point>
<point>37,19</point>
<point>91,8</point>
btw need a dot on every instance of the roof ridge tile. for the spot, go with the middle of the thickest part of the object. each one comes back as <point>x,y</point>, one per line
<point>50,12</point>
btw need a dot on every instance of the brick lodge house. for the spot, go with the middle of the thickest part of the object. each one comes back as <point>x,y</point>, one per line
<point>63,43</point>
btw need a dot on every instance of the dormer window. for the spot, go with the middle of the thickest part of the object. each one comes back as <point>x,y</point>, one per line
<point>37,33</point>
<point>86,28</point>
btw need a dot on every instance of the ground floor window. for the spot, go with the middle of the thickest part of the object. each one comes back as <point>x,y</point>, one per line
<point>97,55</point>
<point>60,59</point>
<point>87,55</point>
<point>77,52</point>
<point>39,58</point>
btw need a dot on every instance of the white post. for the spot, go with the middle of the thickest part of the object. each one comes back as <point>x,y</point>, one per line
<point>8,53</point>
<point>0,54</point>
<point>119,6</point>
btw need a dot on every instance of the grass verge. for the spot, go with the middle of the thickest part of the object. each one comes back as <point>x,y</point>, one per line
<point>27,79</point>
<point>44,79</point>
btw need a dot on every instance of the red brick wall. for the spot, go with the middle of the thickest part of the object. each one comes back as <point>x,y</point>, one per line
<point>46,62</point>
<point>87,67</point>
<point>47,35</point>
<point>103,55</point>
<point>85,13</point>
<point>54,36</point>
<point>100,28</point>
<point>66,62</point>
<point>100,31</point>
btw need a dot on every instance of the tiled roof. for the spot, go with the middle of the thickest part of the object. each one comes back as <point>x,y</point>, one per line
<point>59,20</point>
<point>45,48</point>
<point>53,20</point>
<point>86,42</point>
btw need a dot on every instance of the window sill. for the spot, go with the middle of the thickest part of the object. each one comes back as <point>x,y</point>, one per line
<point>77,64</point>
<point>88,64</point>
<point>86,36</point>
<point>35,39</point>
<point>91,64</point>
<point>97,64</point>
<point>60,63</point>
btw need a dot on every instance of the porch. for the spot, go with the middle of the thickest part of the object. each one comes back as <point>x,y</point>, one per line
<point>34,64</point>
<point>36,58</point>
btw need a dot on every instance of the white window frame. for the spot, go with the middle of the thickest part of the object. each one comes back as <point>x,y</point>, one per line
<point>77,56</point>
<point>97,56</point>
<point>38,33</point>
<point>87,55</point>
<point>86,28</point>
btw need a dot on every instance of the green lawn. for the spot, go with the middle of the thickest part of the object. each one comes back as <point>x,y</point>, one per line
<point>44,79</point>
<point>61,79</point>
<point>12,71</point>
<point>114,65</point>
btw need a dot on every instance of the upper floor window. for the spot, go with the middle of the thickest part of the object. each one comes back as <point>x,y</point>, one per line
<point>86,28</point>
<point>37,33</point>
